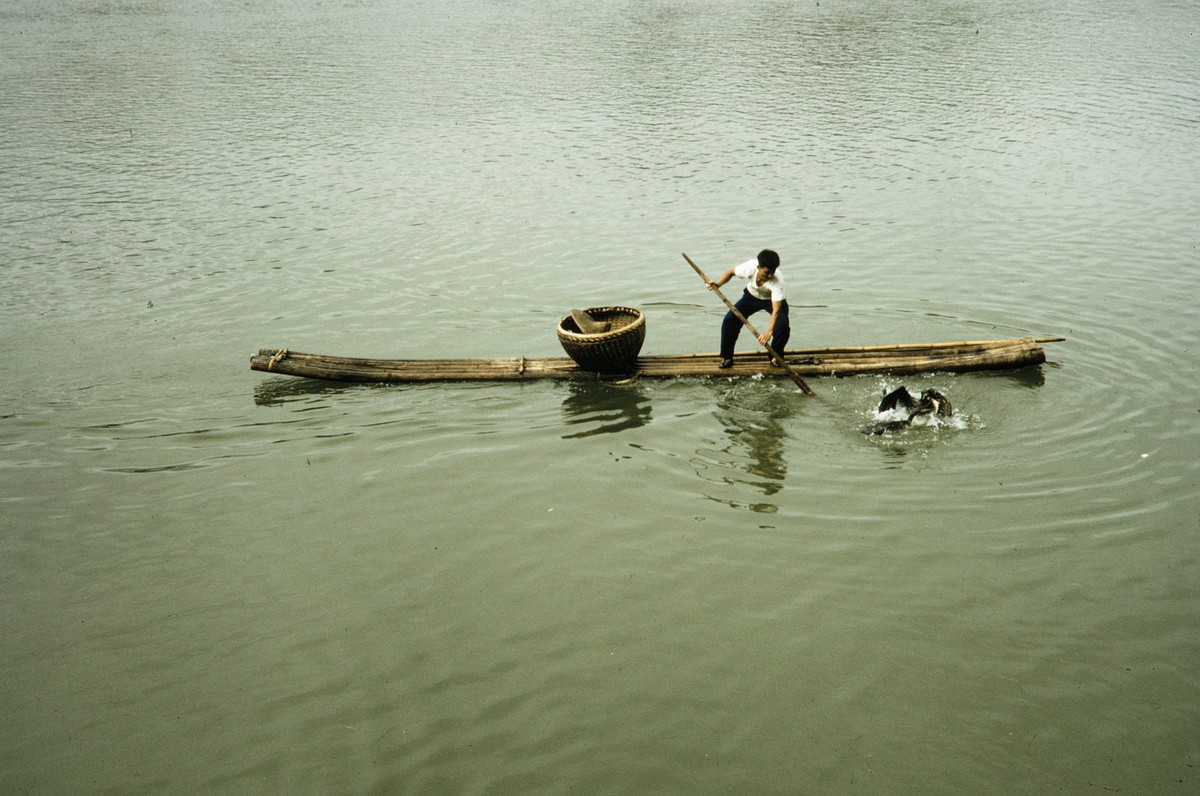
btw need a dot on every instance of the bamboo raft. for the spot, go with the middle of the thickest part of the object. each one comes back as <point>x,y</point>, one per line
<point>899,360</point>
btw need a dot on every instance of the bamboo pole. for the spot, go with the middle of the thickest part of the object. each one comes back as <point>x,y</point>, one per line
<point>913,346</point>
<point>994,354</point>
<point>774,354</point>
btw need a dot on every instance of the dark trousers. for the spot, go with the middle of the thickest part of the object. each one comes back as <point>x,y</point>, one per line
<point>748,305</point>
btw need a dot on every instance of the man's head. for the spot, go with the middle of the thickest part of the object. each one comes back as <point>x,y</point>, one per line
<point>769,260</point>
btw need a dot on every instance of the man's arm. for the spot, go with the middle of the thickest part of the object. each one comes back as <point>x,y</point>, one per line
<point>766,335</point>
<point>720,280</point>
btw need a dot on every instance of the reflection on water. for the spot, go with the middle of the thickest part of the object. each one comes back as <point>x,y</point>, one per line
<point>282,390</point>
<point>1027,377</point>
<point>753,451</point>
<point>605,407</point>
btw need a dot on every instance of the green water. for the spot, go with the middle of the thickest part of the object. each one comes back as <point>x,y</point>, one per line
<point>216,580</point>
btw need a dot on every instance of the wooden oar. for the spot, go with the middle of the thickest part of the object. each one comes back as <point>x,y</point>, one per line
<point>778,357</point>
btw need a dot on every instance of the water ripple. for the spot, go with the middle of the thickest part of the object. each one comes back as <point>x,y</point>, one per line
<point>251,582</point>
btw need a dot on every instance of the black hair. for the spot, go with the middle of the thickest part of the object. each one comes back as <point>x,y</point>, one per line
<point>767,258</point>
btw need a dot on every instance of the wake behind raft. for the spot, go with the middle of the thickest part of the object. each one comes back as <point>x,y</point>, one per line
<point>604,343</point>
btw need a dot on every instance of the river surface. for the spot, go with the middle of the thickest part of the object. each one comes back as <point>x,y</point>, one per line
<point>214,580</point>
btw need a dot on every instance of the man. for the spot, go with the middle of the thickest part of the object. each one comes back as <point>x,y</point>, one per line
<point>764,291</point>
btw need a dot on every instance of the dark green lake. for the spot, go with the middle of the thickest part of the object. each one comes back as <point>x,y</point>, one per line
<point>220,581</point>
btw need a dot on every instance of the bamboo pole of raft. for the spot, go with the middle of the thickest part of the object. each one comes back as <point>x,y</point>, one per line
<point>941,349</point>
<point>746,321</point>
<point>956,357</point>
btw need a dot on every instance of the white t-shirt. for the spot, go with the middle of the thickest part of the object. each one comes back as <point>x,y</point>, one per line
<point>772,289</point>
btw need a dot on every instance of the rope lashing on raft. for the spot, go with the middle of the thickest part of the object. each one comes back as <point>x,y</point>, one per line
<point>280,354</point>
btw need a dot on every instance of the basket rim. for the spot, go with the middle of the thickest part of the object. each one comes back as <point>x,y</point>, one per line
<point>584,337</point>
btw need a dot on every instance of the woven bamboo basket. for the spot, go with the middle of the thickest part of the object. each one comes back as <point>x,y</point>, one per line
<point>613,351</point>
